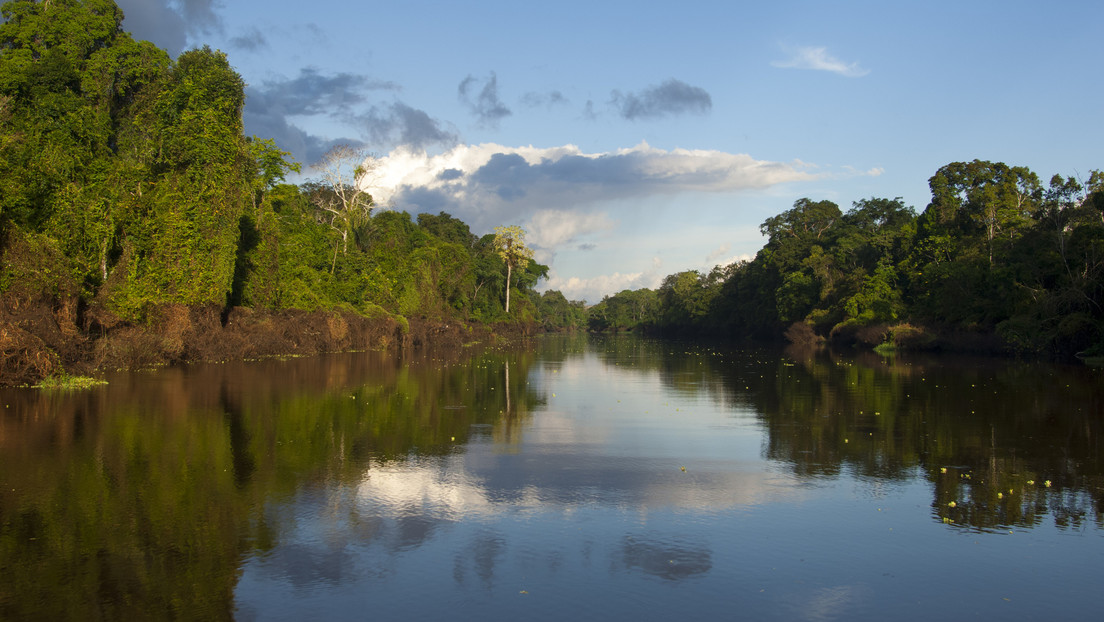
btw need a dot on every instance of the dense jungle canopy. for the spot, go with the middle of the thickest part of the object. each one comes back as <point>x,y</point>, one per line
<point>996,261</point>
<point>126,175</point>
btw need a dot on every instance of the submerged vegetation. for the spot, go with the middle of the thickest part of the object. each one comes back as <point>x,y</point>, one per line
<point>140,225</point>
<point>70,383</point>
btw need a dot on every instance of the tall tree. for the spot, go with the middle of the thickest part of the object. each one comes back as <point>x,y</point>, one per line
<point>346,173</point>
<point>510,242</point>
<point>991,199</point>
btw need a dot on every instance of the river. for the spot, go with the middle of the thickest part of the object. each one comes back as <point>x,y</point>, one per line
<point>570,478</point>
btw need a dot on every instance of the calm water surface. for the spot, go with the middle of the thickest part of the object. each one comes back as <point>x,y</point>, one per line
<point>601,478</point>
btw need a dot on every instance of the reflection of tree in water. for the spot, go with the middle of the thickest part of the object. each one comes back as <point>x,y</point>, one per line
<point>670,559</point>
<point>987,433</point>
<point>146,493</point>
<point>481,556</point>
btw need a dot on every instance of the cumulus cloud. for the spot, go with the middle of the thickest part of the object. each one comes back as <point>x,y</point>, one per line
<point>594,288</point>
<point>552,228</point>
<point>818,58</point>
<point>170,23</point>
<point>487,182</point>
<point>483,102</point>
<point>561,195</point>
<point>673,97</point>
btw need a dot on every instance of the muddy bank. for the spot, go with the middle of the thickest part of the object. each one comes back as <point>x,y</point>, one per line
<point>42,337</point>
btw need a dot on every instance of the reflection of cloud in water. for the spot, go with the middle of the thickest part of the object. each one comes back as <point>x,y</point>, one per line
<point>438,490</point>
<point>483,483</point>
<point>559,478</point>
<point>668,559</point>
<point>833,603</point>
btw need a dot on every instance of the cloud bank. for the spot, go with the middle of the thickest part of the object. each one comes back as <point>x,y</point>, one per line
<point>488,184</point>
<point>818,59</point>
<point>593,289</point>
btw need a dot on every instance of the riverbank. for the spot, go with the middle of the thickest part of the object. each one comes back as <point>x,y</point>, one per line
<point>46,337</point>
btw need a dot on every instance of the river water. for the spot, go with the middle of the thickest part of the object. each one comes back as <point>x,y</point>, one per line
<point>571,478</point>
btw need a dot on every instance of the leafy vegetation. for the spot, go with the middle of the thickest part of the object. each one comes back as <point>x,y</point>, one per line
<point>127,185</point>
<point>70,383</point>
<point>997,260</point>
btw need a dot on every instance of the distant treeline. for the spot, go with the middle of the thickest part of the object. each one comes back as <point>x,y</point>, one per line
<point>996,260</point>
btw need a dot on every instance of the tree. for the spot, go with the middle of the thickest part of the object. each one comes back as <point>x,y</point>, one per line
<point>808,220</point>
<point>510,243</point>
<point>342,195</point>
<point>991,199</point>
<point>181,235</point>
<point>448,228</point>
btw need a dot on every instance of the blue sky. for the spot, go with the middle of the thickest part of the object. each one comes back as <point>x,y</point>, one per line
<point>635,140</point>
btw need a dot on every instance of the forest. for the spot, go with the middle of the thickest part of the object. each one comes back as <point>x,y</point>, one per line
<point>996,262</point>
<point>140,225</point>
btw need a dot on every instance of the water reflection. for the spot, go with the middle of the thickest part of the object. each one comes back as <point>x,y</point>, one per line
<point>671,560</point>
<point>1000,440</point>
<point>615,468</point>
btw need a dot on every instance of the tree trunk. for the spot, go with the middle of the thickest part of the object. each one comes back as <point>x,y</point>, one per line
<point>509,269</point>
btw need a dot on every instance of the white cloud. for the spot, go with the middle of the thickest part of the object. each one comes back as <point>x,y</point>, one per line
<point>579,209</point>
<point>554,227</point>
<point>592,289</point>
<point>488,184</point>
<point>718,253</point>
<point>818,58</point>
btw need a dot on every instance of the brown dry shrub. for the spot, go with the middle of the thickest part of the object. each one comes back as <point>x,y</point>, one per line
<point>259,332</point>
<point>127,347</point>
<point>872,334</point>
<point>66,315</point>
<point>367,333</point>
<point>24,358</point>
<point>338,331</point>
<point>206,340</point>
<point>801,334</point>
<point>170,322</point>
<point>910,337</point>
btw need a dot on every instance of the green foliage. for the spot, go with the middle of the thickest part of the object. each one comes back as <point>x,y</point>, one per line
<point>994,253</point>
<point>510,245</point>
<point>131,173</point>
<point>558,313</point>
<point>626,310</point>
<point>65,382</point>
